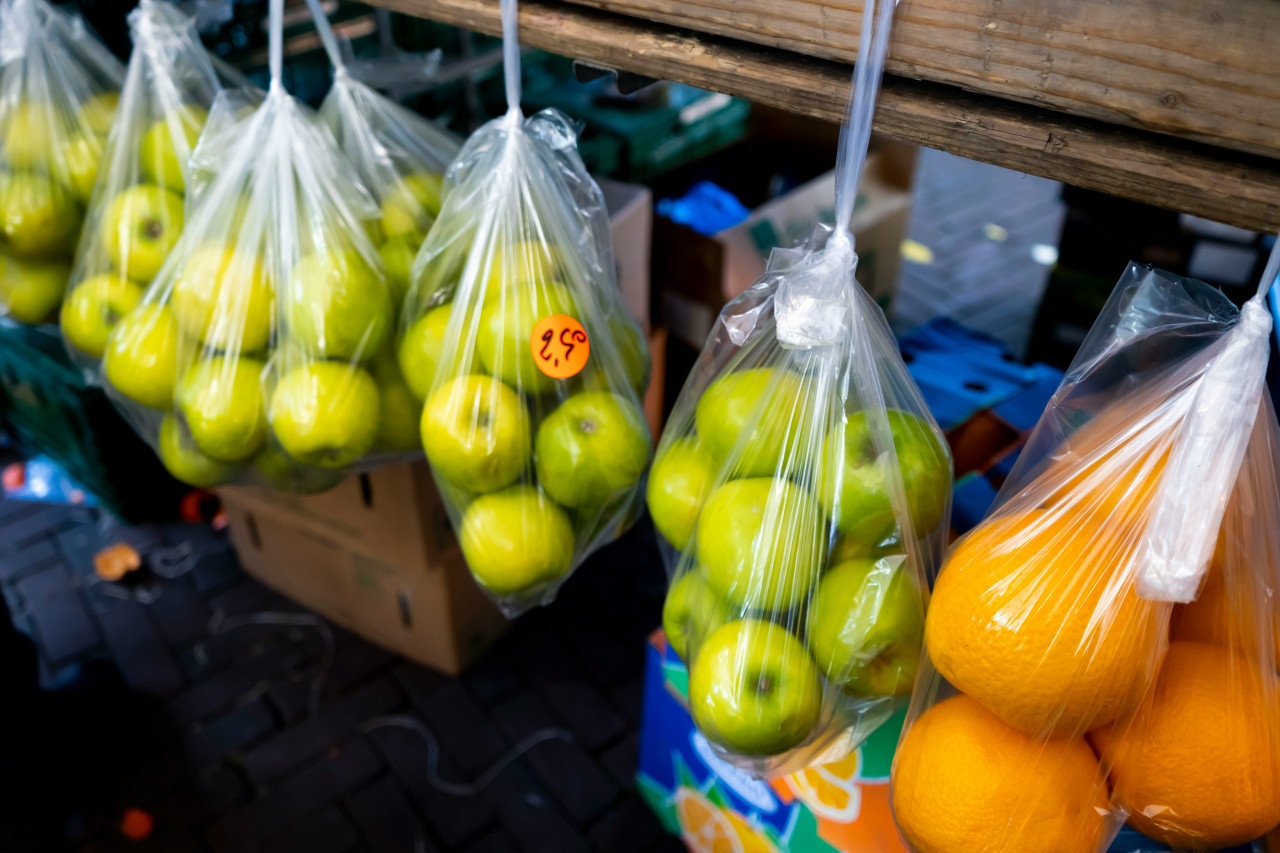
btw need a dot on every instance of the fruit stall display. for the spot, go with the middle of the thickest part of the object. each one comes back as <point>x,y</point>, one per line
<point>59,88</point>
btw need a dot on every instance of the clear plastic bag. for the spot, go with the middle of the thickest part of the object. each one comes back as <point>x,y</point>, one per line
<point>533,371</point>
<point>136,213</point>
<point>803,491</point>
<point>58,92</point>
<point>257,351</point>
<point>1056,700</point>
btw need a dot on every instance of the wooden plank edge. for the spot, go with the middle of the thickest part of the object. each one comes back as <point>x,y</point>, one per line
<point>1219,184</point>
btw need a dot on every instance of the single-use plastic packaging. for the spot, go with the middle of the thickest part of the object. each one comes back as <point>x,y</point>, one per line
<point>804,492</point>
<point>58,91</point>
<point>257,351</point>
<point>136,212</point>
<point>532,370</point>
<point>1102,647</point>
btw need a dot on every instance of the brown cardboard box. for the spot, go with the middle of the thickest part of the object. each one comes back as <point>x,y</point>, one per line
<point>630,209</point>
<point>375,555</point>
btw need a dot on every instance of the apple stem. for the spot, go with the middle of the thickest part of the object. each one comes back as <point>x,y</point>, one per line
<point>587,426</point>
<point>764,685</point>
<point>153,229</point>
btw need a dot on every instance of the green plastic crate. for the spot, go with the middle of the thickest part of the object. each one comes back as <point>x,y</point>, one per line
<point>48,408</point>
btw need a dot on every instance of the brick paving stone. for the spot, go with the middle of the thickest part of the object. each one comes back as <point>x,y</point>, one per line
<point>214,572</point>
<point>327,832</point>
<point>42,587</point>
<point>629,696</point>
<point>628,828</point>
<point>26,558</point>
<point>248,597</point>
<point>492,842</point>
<point>229,733</point>
<point>530,816</point>
<point>355,660</point>
<point>387,821</point>
<point>336,722</point>
<point>222,690</point>
<point>294,799</point>
<point>491,678</point>
<point>465,731</point>
<point>64,628</point>
<point>590,716</point>
<point>139,649</point>
<point>622,758</point>
<point>669,844</point>
<point>606,662</point>
<point>453,819</point>
<point>180,613</point>
<point>564,768</point>
<point>78,545</point>
<point>16,532</point>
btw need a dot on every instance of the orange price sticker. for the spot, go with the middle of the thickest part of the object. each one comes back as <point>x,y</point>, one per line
<point>560,346</point>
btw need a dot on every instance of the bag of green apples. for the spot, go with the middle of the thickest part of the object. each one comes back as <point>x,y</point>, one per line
<point>252,354</point>
<point>803,490</point>
<point>58,93</point>
<point>533,369</point>
<point>136,214</point>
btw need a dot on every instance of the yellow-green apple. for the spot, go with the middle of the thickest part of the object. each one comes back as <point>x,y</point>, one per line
<point>762,542</point>
<point>98,112</point>
<point>141,359</point>
<point>325,413</point>
<point>477,434</point>
<point>38,216</point>
<point>223,296</point>
<point>412,205</point>
<point>29,132</point>
<point>519,263</point>
<point>753,688</point>
<point>515,540</point>
<point>162,160</point>
<point>682,476</point>
<point>751,420</point>
<point>855,491</point>
<point>420,349</point>
<point>633,349</point>
<point>593,446</point>
<point>81,155</point>
<point>866,626</point>
<point>140,228</point>
<point>31,289</point>
<point>847,548</point>
<point>397,259</point>
<point>338,306</point>
<point>274,467</point>
<point>692,611</point>
<point>220,399</point>
<point>506,325</point>
<point>185,461</point>
<point>399,412</point>
<point>94,308</point>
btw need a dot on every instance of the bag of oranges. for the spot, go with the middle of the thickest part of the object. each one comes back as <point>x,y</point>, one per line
<point>136,214</point>
<point>252,355</point>
<point>1102,647</point>
<point>530,369</point>
<point>59,87</point>
<point>803,490</point>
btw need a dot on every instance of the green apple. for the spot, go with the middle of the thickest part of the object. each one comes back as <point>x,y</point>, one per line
<point>477,434</point>
<point>593,446</point>
<point>94,308</point>
<point>81,154</point>
<point>31,289</point>
<point>763,542</point>
<point>866,626</point>
<point>337,306</point>
<point>220,399</point>
<point>397,259</point>
<point>692,611</point>
<point>274,467</point>
<point>223,297</point>
<point>141,359</point>
<point>856,494</point>
<point>634,350</point>
<point>747,419</point>
<point>515,540</point>
<point>140,228</point>
<point>399,412</point>
<point>521,263</point>
<point>29,131</point>
<point>325,413</point>
<point>96,114</point>
<point>162,160</point>
<point>412,205</point>
<point>186,462</point>
<point>38,215</point>
<point>848,548</point>
<point>506,326</point>
<point>421,348</point>
<point>682,476</point>
<point>753,688</point>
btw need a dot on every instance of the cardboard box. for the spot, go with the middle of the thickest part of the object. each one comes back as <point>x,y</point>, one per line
<point>630,209</point>
<point>375,555</point>
<point>698,275</point>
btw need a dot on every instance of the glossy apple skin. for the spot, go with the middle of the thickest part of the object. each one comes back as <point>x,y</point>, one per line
<point>515,540</point>
<point>477,434</point>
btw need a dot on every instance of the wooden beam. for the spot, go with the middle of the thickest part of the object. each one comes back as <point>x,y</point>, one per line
<point>1226,186</point>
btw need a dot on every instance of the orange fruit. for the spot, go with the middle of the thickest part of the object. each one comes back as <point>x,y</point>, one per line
<point>829,790</point>
<point>1035,616</point>
<point>1240,617</point>
<point>705,828</point>
<point>964,782</point>
<point>1199,767</point>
